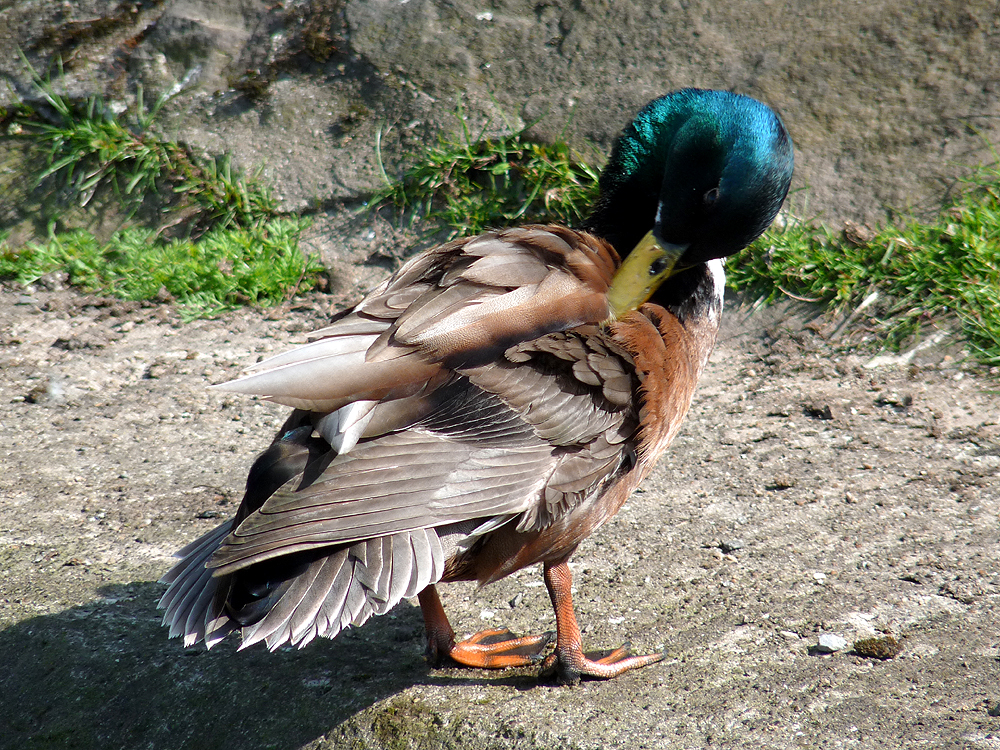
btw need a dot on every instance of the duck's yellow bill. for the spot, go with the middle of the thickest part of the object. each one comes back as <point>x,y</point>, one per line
<point>649,264</point>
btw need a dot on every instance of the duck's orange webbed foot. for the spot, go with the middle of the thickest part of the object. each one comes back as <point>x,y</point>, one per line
<point>568,662</point>
<point>496,648</point>
<point>569,665</point>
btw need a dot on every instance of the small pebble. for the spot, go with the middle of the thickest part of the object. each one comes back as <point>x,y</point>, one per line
<point>730,545</point>
<point>830,643</point>
<point>819,411</point>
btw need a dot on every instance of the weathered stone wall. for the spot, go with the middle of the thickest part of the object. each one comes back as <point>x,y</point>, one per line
<point>885,100</point>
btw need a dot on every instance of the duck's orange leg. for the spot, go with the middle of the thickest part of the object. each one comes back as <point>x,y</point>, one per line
<point>568,661</point>
<point>488,649</point>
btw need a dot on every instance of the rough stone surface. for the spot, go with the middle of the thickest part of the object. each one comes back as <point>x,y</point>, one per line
<point>883,519</point>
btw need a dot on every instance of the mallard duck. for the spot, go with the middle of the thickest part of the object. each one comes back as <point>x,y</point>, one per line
<point>492,403</point>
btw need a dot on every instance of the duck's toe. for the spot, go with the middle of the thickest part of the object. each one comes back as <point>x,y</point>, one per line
<point>567,666</point>
<point>499,648</point>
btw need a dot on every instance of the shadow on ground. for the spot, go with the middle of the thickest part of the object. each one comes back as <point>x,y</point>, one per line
<point>103,675</point>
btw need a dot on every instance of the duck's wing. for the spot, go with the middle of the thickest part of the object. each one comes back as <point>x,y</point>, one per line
<point>579,392</point>
<point>459,305</point>
<point>525,438</point>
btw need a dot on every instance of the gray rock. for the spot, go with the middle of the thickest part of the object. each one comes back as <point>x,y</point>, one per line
<point>731,545</point>
<point>830,643</point>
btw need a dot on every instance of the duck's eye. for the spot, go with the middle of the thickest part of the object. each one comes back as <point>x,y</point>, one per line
<point>711,196</point>
<point>658,266</point>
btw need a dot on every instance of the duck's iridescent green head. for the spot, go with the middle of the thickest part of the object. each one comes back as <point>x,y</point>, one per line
<point>705,171</point>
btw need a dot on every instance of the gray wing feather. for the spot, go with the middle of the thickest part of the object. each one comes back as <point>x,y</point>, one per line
<point>322,588</point>
<point>402,563</point>
<point>384,573</point>
<point>371,563</point>
<point>355,610</point>
<point>336,591</point>
<point>188,599</point>
<point>437,556</point>
<point>397,484</point>
<point>423,566</point>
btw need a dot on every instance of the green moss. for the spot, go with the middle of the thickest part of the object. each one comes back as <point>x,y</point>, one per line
<point>881,647</point>
<point>404,724</point>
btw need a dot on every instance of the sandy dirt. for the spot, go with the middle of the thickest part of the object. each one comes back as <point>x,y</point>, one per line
<point>807,494</point>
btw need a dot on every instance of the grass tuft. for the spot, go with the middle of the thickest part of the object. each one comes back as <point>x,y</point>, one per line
<point>468,184</point>
<point>90,148</point>
<point>903,281</point>
<point>232,249</point>
<point>222,270</point>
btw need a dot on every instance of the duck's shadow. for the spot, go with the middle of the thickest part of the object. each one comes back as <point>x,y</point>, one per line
<point>104,675</point>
